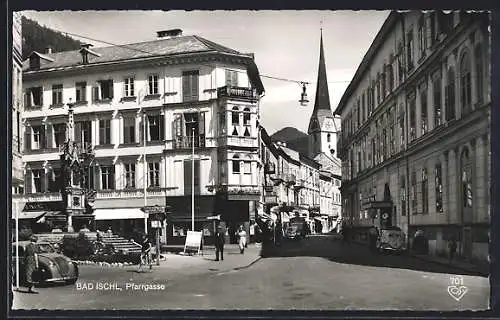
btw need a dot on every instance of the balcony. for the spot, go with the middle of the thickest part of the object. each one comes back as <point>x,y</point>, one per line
<point>290,179</point>
<point>237,93</point>
<point>239,141</point>
<point>186,142</point>
<point>42,197</point>
<point>129,193</point>
<point>300,183</point>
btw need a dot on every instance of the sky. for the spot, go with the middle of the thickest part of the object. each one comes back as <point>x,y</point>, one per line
<point>285,44</point>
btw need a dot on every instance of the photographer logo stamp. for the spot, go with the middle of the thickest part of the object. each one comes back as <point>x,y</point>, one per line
<point>456,289</point>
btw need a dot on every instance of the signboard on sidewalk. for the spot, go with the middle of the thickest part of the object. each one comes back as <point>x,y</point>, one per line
<point>193,241</point>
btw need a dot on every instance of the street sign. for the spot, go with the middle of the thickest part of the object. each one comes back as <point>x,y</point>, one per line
<point>217,217</point>
<point>155,224</point>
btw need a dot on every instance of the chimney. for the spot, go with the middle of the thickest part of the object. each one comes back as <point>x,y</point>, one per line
<point>169,34</point>
<point>48,50</point>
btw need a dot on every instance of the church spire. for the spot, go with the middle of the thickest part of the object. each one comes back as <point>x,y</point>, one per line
<point>322,100</point>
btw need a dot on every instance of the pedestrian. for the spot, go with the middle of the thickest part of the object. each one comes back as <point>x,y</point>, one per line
<point>452,245</point>
<point>31,264</point>
<point>219,244</point>
<point>145,253</point>
<point>242,234</point>
<point>110,231</point>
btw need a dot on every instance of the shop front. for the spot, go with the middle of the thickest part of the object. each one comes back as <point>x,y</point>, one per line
<point>125,222</point>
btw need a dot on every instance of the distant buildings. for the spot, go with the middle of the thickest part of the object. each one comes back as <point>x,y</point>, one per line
<point>415,144</point>
<point>17,110</point>
<point>176,93</point>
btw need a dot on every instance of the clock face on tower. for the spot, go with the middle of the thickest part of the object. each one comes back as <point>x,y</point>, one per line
<point>329,125</point>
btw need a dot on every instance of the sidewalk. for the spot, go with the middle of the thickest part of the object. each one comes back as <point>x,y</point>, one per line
<point>482,269</point>
<point>205,262</point>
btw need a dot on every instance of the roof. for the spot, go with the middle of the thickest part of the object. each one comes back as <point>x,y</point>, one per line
<point>367,59</point>
<point>154,48</point>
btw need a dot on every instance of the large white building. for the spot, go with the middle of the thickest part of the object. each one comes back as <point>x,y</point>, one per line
<point>187,91</point>
<point>415,144</point>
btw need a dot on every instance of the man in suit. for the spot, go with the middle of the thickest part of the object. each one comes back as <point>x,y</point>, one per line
<point>219,243</point>
<point>31,259</point>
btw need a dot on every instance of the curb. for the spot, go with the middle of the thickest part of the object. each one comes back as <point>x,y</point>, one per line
<point>476,272</point>
<point>248,265</point>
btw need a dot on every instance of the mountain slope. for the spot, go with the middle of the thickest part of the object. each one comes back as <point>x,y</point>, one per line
<point>294,139</point>
<point>38,38</point>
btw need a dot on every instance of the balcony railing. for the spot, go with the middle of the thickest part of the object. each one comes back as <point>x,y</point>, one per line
<point>241,189</point>
<point>241,141</point>
<point>290,179</point>
<point>186,142</point>
<point>42,197</point>
<point>237,92</point>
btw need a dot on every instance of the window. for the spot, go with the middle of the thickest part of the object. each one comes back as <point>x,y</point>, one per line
<point>81,88</point>
<point>466,172</point>
<point>363,113</point>
<point>479,72</point>
<point>235,116</point>
<point>413,120</point>
<point>57,94</point>
<point>34,97</point>
<point>155,127</point>
<point>328,137</point>
<point>236,164</point>
<point>154,175</point>
<point>413,191</point>
<point>104,131</point>
<point>153,84</point>
<point>83,132</point>
<point>409,50</point>
<point>59,134</point>
<point>383,81</point>
<point>247,167</point>
<point>450,95</point>
<point>190,85</point>
<point>402,190</point>
<point>189,178</point>
<point>107,177</point>
<point>400,68</point>
<point>37,180</point>
<point>222,122</point>
<point>439,187</point>
<point>54,180</point>
<point>425,191</point>
<point>129,87</point>
<point>423,111</point>
<point>246,116</point>
<point>231,78</point>
<point>432,20</point>
<point>437,101</point>
<point>103,90</point>
<point>465,83</point>
<point>421,36</point>
<point>38,137</point>
<point>390,72</point>
<point>378,89</point>
<point>129,130</point>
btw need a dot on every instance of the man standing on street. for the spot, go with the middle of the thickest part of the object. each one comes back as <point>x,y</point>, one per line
<point>31,263</point>
<point>219,244</point>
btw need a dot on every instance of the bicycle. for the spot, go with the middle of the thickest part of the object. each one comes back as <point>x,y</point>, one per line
<point>146,259</point>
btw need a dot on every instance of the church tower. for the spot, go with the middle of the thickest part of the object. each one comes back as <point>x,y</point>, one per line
<point>323,126</point>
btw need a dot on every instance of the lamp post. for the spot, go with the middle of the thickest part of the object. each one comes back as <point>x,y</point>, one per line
<point>145,179</point>
<point>192,180</point>
<point>17,248</point>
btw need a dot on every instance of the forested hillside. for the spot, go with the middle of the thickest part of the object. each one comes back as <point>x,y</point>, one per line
<point>38,38</point>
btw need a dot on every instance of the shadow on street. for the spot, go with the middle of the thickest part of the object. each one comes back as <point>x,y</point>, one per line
<point>333,249</point>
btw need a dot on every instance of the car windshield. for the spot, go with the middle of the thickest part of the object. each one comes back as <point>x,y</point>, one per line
<point>45,248</point>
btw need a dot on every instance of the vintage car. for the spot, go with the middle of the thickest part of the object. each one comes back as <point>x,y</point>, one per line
<point>391,239</point>
<point>53,266</point>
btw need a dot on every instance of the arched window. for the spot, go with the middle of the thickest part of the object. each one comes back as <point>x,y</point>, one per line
<point>450,95</point>
<point>246,116</point>
<point>328,138</point>
<point>235,116</point>
<point>236,163</point>
<point>466,173</point>
<point>478,53</point>
<point>465,83</point>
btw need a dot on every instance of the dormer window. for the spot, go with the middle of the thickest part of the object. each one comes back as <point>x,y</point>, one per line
<point>34,62</point>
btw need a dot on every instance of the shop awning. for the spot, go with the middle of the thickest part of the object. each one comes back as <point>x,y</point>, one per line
<point>29,215</point>
<point>119,214</point>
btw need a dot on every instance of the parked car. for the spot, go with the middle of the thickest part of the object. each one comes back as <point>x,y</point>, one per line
<point>53,266</point>
<point>391,239</point>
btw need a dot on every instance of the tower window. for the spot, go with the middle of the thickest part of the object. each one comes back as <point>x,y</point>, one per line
<point>328,138</point>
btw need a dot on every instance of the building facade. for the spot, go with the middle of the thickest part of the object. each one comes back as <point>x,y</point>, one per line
<point>166,119</point>
<point>17,111</point>
<point>415,145</point>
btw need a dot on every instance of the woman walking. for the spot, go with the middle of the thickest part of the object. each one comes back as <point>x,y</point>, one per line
<point>243,239</point>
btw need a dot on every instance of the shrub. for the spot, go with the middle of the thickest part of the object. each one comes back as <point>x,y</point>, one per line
<point>25,234</point>
<point>76,247</point>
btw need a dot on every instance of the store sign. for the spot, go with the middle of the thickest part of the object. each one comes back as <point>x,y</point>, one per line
<point>44,206</point>
<point>155,224</point>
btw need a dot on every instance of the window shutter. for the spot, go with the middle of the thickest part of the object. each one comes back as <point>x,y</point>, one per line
<point>28,180</point>
<point>228,78</point>
<point>78,132</point>
<point>201,123</point>
<point>186,88</point>
<point>194,86</point>
<point>235,79</point>
<point>50,135</point>
<point>187,177</point>
<point>27,138</point>
<point>162,127</point>
<point>44,179</point>
<point>110,87</point>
